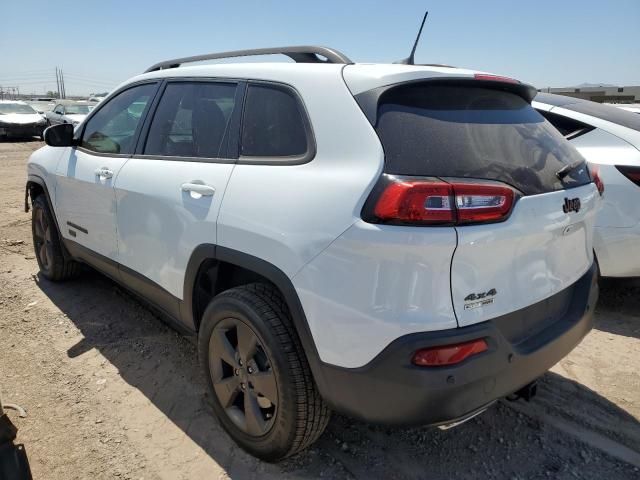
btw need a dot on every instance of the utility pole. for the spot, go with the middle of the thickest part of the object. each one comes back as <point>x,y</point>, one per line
<point>58,83</point>
<point>64,91</point>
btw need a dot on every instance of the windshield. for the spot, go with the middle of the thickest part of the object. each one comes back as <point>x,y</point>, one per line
<point>6,108</point>
<point>77,109</point>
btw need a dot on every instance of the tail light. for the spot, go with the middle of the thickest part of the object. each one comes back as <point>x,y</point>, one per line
<point>448,354</point>
<point>597,179</point>
<point>632,173</point>
<point>411,201</point>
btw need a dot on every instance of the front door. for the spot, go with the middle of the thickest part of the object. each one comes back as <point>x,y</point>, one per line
<point>85,199</point>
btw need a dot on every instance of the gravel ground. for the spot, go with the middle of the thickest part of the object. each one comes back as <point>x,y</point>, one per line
<point>112,392</point>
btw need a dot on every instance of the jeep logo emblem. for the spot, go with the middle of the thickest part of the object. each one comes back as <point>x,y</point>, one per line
<point>571,205</point>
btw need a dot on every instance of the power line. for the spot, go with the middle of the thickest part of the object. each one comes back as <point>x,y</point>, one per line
<point>101,79</point>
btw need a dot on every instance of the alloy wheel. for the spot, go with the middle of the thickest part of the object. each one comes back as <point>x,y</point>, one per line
<point>242,376</point>
<point>42,239</point>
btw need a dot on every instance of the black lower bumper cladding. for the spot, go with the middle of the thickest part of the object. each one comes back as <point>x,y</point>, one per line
<point>21,131</point>
<point>523,345</point>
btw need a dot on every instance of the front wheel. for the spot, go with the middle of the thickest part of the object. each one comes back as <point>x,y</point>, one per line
<point>262,389</point>
<point>48,247</point>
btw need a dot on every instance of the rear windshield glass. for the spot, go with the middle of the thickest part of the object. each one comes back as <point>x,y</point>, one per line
<point>462,131</point>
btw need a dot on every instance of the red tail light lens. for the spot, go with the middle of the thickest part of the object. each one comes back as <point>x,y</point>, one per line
<point>632,173</point>
<point>428,202</point>
<point>414,201</point>
<point>595,175</point>
<point>448,354</point>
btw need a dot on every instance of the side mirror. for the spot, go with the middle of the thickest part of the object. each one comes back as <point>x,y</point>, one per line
<point>59,135</point>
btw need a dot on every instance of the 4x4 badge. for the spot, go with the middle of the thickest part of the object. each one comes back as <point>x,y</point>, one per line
<point>475,300</point>
<point>571,205</point>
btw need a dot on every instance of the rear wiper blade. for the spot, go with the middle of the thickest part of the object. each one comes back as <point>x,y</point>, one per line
<point>564,171</point>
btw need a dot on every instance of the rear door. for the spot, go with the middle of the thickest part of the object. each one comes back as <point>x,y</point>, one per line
<point>85,197</point>
<point>169,193</point>
<point>462,131</point>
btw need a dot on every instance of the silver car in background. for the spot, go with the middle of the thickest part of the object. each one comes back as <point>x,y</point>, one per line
<point>67,111</point>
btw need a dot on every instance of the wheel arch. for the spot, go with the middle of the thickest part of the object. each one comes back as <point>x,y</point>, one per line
<point>37,186</point>
<point>34,187</point>
<point>212,260</point>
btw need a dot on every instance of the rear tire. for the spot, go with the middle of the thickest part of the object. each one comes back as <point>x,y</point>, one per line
<point>258,377</point>
<point>47,244</point>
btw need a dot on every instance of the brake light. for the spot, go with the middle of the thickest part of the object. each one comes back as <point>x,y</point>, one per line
<point>494,78</point>
<point>595,175</point>
<point>448,354</point>
<point>435,202</point>
<point>632,173</point>
<point>414,201</point>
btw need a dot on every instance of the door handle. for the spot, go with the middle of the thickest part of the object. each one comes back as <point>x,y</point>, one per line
<point>199,188</point>
<point>104,172</point>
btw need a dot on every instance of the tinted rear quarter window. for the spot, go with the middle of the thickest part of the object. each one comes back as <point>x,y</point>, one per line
<point>464,131</point>
<point>273,123</point>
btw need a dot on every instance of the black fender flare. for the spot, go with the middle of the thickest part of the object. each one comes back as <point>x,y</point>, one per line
<point>37,180</point>
<point>267,270</point>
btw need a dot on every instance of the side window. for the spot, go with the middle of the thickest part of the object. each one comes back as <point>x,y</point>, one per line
<point>59,109</point>
<point>273,123</point>
<point>568,127</point>
<point>112,129</point>
<point>192,120</point>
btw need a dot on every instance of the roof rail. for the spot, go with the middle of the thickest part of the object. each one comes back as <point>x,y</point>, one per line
<point>302,54</point>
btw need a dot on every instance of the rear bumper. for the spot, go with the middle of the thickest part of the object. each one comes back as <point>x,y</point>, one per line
<point>523,345</point>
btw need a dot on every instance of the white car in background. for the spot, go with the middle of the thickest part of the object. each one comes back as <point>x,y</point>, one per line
<point>96,98</point>
<point>19,119</point>
<point>629,107</point>
<point>609,138</point>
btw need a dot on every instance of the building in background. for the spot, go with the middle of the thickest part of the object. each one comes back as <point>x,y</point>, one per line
<point>599,93</point>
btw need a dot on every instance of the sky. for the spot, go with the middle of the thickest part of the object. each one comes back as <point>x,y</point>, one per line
<point>99,44</point>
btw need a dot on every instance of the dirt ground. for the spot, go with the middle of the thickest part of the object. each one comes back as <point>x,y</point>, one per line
<point>112,392</point>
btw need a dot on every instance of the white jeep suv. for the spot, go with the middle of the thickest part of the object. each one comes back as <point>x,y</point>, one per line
<point>404,244</point>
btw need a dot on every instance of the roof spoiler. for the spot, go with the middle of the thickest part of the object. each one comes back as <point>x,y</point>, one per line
<point>369,100</point>
<point>299,54</point>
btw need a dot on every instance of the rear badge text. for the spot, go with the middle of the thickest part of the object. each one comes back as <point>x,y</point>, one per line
<point>571,205</point>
